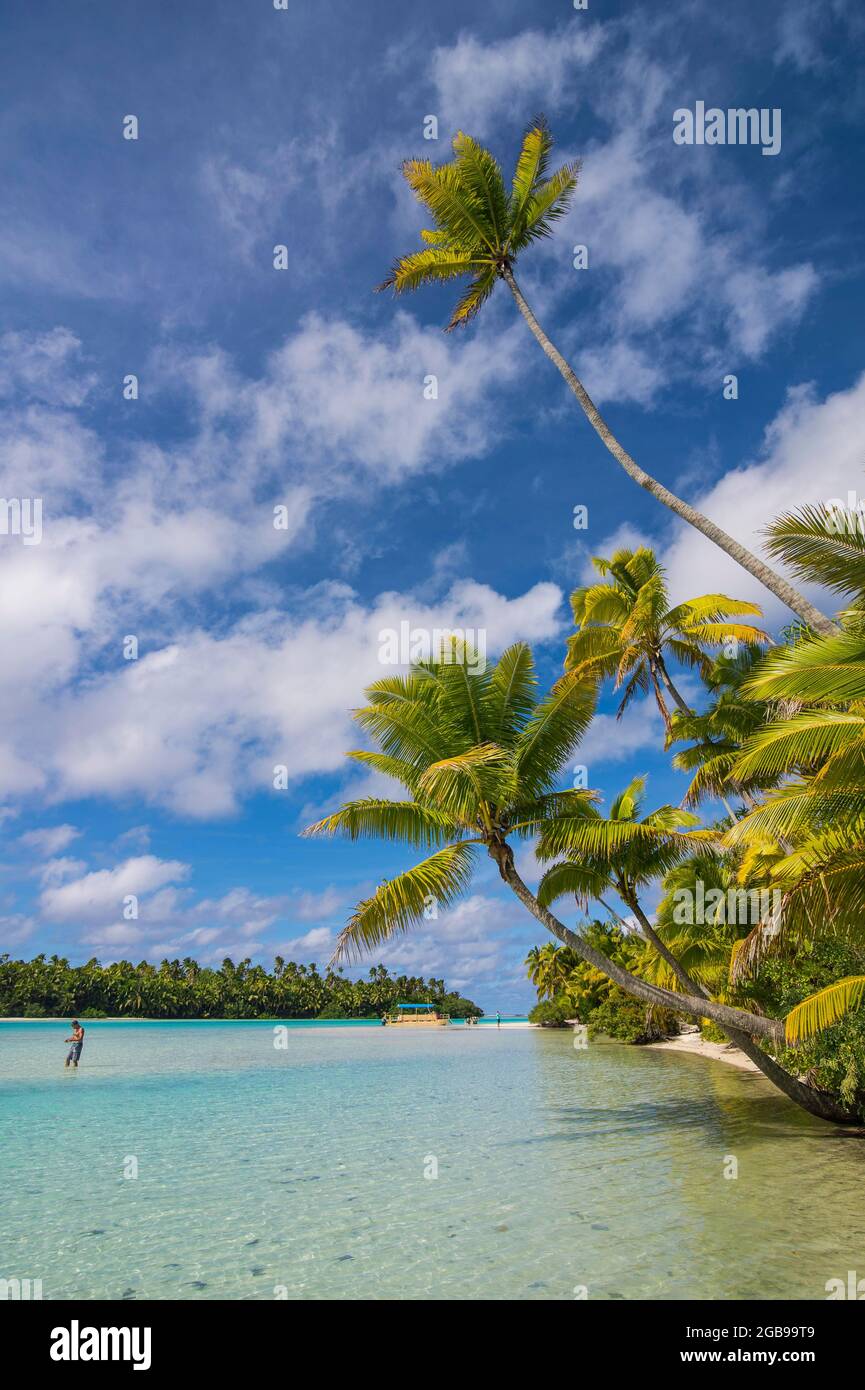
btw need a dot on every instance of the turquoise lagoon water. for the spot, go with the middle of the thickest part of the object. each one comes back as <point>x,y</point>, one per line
<point>300,1172</point>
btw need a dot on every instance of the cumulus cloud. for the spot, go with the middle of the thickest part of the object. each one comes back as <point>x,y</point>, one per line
<point>812,451</point>
<point>50,840</point>
<point>476,82</point>
<point>100,894</point>
<point>613,740</point>
<point>206,720</point>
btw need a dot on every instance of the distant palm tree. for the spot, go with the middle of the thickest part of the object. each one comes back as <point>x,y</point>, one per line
<point>627,626</point>
<point>479,755</point>
<point>549,968</point>
<point>480,230</point>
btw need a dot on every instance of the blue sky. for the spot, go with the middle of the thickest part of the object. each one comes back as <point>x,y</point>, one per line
<point>299,387</point>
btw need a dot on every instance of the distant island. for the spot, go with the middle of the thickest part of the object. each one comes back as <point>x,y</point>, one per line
<point>49,987</point>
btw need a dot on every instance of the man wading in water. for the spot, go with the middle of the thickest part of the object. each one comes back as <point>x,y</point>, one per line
<point>77,1041</point>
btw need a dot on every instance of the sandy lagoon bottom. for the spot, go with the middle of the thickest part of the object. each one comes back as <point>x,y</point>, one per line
<point>301,1172</point>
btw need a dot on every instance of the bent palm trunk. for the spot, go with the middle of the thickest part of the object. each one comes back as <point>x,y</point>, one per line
<point>767,576</point>
<point>739,1025</point>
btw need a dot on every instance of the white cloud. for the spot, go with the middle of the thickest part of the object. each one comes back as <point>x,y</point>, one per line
<point>469,943</point>
<point>207,719</point>
<point>612,740</point>
<point>309,907</point>
<point>44,367</point>
<point>477,82</point>
<point>99,895</point>
<point>316,944</point>
<point>340,399</point>
<point>56,871</point>
<point>812,452</point>
<point>49,841</point>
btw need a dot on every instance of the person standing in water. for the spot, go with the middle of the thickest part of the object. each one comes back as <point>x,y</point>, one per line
<point>77,1041</point>
<point>498,1020</point>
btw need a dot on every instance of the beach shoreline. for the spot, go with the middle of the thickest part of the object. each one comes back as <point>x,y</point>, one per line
<point>699,1046</point>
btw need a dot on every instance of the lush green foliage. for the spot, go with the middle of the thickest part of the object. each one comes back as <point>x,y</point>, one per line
<point>183,989</point>
<point>569,988</point>
<point>552,1013</point>
<point>834,1057</point>
<point>626,628</point>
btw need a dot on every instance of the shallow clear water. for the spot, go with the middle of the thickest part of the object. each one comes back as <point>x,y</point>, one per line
<point>269,1173</point>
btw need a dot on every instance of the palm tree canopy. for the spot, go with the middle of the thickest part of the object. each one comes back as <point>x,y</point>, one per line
<point>714,736</point>
<point>480,754</point>
<point>480,226</point>
<point>622,851</point>
<point>815,743</point>
<point>626,625</point>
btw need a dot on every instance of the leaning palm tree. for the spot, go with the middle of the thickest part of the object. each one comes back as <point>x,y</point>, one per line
<point>479,756</point>
<point>480,229</point>
<point>693,921</point>
<point>626,628</point>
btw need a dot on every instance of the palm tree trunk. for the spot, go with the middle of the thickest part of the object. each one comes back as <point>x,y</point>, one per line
<point>665,677</point>
<point>772,581</point>
<point>739,1025</point>
<point>681,974</point>
<point>660,701</point>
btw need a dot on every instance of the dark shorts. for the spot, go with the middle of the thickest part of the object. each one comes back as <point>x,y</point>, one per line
<point>74,1052</point>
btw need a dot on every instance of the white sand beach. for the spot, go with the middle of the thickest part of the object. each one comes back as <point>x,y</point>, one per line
<point>696,1043</point>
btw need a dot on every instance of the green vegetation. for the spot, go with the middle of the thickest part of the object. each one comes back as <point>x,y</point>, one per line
<point>627,628</point>
<point>750,904</point>
<point>569,989</point>
<point>52,988</point>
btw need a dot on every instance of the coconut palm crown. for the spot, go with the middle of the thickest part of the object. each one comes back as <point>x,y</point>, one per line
<point>627,628</point>
<point>481,228</point>
<point>480,756</point>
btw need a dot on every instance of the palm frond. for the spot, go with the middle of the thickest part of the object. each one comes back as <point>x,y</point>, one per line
<point>825,1008</point>
<point>458,786</point>
<point>404,901</point>
<point>554,730</point>
<point>481,174</point>
<point>433,266</point>
<point>532,164</point>
<point>821,544</point>
<point>405,821</point>
<point>510,695</point>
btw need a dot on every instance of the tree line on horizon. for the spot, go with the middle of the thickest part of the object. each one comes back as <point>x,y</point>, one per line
<point>49,987</point>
